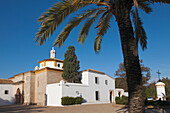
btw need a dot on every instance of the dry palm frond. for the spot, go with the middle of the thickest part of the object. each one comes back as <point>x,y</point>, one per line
<point>100,21</point>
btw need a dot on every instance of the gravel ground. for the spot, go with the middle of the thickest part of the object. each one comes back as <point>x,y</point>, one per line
<point>93,108</point>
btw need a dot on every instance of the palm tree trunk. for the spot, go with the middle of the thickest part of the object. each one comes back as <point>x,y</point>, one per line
<point>131,63</point>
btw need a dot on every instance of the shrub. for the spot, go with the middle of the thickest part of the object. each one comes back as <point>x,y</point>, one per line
<point>122,100</point>
<point>78,100</point>
<point>71,100</point>
<point>67,100</point>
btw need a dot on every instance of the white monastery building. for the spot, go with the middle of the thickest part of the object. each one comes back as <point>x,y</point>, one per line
<point>45,85</point>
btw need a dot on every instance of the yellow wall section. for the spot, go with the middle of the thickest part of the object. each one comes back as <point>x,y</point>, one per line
<point>55,63</point>
<point>44,63</point>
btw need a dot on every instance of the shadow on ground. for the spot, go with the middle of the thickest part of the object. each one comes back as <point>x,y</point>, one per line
<point>20,109</point>
<point>147,110</point>
<point>93,108</point>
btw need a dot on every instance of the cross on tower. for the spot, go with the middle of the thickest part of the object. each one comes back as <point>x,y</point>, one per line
<point>158,74</point>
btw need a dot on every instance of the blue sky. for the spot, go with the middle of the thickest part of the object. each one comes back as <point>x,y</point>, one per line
<point>19,53</point>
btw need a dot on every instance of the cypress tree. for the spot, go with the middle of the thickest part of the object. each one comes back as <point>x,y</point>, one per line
<point>71,66</point>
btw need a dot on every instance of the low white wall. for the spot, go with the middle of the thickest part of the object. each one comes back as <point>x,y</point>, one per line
<point>121,92</point>
<point>76,90</point>
<point>7,99</point>
<point>126,94</point>
<point>56,91</point>
<point>53,94</point>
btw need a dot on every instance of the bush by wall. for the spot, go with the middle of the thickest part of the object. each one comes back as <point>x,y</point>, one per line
<point>122,100</point>
<point>78,100</point>
<point>71,100</point>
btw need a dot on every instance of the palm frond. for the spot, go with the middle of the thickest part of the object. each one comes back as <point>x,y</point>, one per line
<point>159,1</point>
<point>54,16</point>
<point>102,31</point>
<point>145,6</point>
<point>141,32</point>
<point>71,24</point>
<point>86,27</point>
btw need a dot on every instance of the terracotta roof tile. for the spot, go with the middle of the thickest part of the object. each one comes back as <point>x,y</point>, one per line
<point>92,70</point>
<point>51,59</point>
<point>6,81</point>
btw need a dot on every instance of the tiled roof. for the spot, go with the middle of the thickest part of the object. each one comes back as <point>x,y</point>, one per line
<point>51,59</point>
<point>6,81</point>
<point>92,70</point>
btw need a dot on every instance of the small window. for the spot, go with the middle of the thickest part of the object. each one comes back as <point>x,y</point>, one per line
<point>97,95</point>
<point>58,65</point>
<point>6,92</point>
<point>42,65</point>
<point>96,80</point>
<point>106,82</point>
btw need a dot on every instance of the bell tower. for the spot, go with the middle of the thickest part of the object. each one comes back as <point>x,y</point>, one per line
<point>52,53</point>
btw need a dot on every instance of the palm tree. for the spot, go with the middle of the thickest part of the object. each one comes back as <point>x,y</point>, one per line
<point>124,11</point>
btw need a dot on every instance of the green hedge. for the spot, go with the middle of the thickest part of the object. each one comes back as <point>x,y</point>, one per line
<point>71,100</point>
<point>122,100</point>
<point>78,100</point>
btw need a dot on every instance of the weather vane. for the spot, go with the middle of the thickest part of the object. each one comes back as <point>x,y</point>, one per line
<point>158,74</point>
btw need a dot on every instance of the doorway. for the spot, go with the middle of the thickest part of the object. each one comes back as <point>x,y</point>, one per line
<point>112,96</point>
<point>18,97</point>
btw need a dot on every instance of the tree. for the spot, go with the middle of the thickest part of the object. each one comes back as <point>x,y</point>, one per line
<point>150,90</point>
<point>167,85</point>
<point>122,10</point>
<point>71,66</point>
<point>120,82</point>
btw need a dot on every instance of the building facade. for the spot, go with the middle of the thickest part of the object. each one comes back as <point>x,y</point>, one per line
<point>32,87</point>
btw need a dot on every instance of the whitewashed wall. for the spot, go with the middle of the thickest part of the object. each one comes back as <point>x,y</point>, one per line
<point>53,94</point>
<point>161,92</point>
<point>104,90</point>
<point>7,99</point>
<point>117,90</point>
<point>49,64</point>
<point>87,89</point>
<point>126,94</point>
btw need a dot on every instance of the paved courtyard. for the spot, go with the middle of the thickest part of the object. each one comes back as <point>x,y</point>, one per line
<point>95,108</point>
